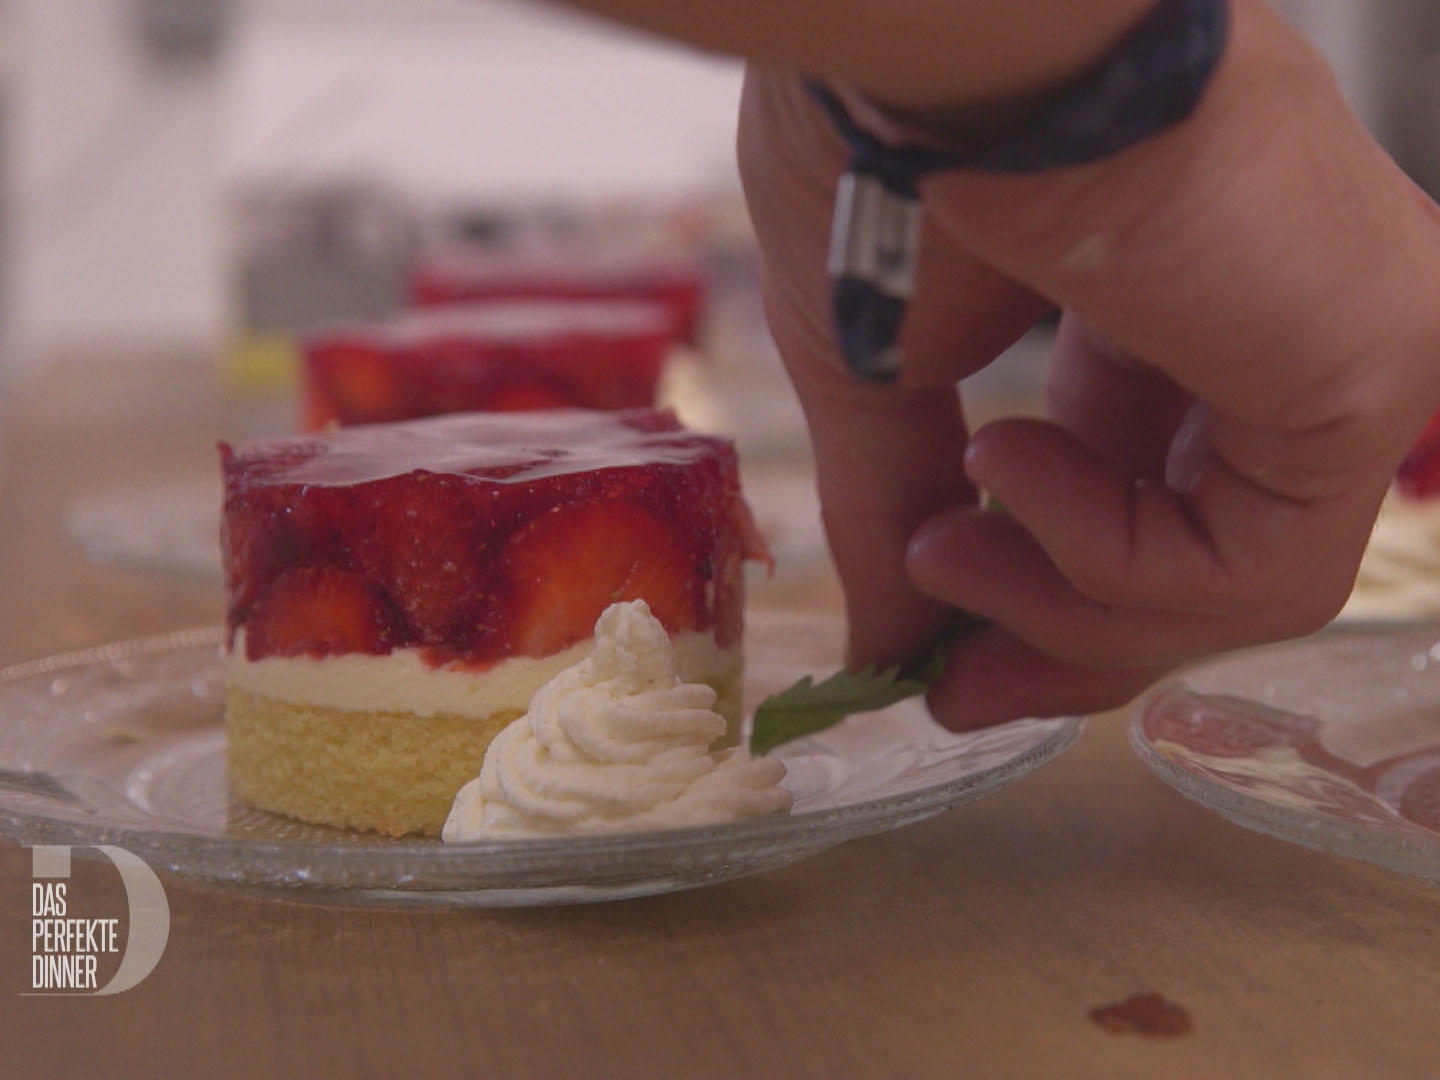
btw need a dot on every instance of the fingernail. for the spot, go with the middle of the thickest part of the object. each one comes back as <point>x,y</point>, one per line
<point>974,459</point>
<point>929,552</point>
<point>1189,452</point>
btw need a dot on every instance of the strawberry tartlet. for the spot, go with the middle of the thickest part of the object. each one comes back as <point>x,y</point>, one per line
<point>457,274</point>
<point>398,592</point>
<point>502,355</point>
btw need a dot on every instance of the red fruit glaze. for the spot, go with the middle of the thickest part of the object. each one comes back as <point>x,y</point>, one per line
<point>574,560</point>
<point>1419,474</point>
<point>497,356</point>
<point>319,611</point>
<point>481,536</point>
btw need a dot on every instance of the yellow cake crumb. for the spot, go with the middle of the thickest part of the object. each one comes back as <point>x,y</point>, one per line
<point>388,772</point>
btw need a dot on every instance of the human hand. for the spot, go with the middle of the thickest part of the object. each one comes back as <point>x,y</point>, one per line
<point>1251,341</point>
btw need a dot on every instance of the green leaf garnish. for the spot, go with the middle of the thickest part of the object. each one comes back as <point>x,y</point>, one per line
<point>807,706</point>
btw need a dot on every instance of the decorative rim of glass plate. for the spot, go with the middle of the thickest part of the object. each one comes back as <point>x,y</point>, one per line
<point>1316,741</point>
<point>123,744</point>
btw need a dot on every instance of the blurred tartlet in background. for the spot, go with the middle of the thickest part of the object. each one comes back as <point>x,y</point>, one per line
<point>327,270</point>
<point>494,356</point>
<point>1399,576</point>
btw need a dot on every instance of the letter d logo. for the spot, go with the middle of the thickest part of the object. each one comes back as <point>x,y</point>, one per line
<point>149,925</point>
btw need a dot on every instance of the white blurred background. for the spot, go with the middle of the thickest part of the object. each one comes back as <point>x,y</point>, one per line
<point>121,138</point>
<point>126,125</point>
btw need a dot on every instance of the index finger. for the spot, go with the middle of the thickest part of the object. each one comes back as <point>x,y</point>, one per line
<point>887,457</point>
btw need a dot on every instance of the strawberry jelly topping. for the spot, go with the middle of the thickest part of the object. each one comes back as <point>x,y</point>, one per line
<point>500,448</point>
<point>424,512</point>
<point>510,321</point>
<point>496,356</point>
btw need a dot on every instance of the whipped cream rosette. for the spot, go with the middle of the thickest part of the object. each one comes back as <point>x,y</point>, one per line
<point>617,742</point>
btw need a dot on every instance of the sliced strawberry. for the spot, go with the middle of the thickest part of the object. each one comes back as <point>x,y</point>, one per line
<point>316,408</point>
<point>257,533</point>
<point>358,384</point>
<point>570,563</point>
<point>243,546</point>
<point>320,611</point>
<point>423,531</point>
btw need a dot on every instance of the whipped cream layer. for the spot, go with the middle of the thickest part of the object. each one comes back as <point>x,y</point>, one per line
<point>618,742</point>
<point>1400,573</point>
<point>403,681</point>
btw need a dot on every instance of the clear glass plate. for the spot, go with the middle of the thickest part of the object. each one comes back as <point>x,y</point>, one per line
<point>1332,742</point>
<point>125,745</point>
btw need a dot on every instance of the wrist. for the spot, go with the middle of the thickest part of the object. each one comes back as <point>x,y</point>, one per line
<point>1151,79</point>
<point>974,61</point>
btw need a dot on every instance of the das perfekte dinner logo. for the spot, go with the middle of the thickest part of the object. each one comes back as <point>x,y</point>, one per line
<point>67,950</point>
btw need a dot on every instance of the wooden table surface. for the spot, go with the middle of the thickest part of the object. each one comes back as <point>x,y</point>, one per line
<point>973,944</point>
